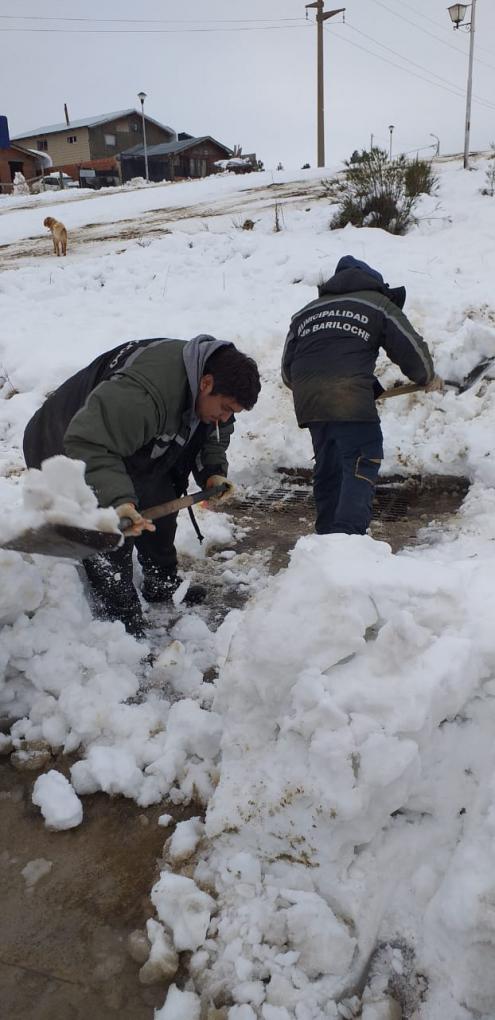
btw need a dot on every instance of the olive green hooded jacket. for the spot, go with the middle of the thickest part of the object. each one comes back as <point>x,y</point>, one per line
<point>130,412</point>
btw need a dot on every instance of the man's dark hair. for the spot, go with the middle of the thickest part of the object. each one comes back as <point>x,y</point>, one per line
<point>234,375</point>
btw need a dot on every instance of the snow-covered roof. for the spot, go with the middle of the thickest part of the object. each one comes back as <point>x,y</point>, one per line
<point>88,122</point>
<point>171,148</point>
<point>43,157</point>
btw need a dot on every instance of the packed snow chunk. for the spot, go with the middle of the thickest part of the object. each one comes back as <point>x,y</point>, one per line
<point>163,961</point>
<point>323,942</point>
<point>165,820</point>
<point>111,769</point>
<point>185,839</point>
<point>21,590</point>
<point>189,753</point>
<point>175,667</point>
<point>57,800</point>
<point>249,992</point>
<point>179,1006</point>
<point>274,1012</point>
<point>58,494</point>
<point>183,908</point>
<point>381,1009</point>
<point>241,1013</point>
<point>138,945</point>
<point>35,870</point>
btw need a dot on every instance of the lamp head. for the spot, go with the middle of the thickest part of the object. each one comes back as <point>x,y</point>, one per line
<point>457,13</point>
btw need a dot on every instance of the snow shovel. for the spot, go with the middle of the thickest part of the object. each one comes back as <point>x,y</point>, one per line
<point>70,542</point>
<point>474,376</point>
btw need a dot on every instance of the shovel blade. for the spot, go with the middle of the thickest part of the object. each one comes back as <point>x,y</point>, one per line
<point>476,374</point>
<point>63,540</point>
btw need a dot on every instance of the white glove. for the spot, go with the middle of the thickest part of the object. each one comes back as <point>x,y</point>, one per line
<point>224,497</point>
<point>436,384</point>
<point>139,523</point>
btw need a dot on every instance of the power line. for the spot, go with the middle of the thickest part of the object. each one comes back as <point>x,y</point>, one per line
<point>407,70</point>
<point>152,31</point>
<point>430,34</point>
<point>441,24</point>
<point>148,21</point>
<point>413,62</point>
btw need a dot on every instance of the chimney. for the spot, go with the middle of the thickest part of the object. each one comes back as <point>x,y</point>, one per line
<point>67,121</point>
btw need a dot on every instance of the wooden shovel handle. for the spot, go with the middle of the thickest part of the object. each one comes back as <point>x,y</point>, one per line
<point>174,505</point>
<point>397,391</point>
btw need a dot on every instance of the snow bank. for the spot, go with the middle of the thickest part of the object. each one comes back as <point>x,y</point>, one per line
<point>328,726</point>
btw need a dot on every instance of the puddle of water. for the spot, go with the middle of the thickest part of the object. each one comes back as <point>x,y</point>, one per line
<point>64,942</point>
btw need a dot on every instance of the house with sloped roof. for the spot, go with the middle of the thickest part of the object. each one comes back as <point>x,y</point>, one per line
<point>15,158</point>
<point>186,156</point>
<point>94,138</point>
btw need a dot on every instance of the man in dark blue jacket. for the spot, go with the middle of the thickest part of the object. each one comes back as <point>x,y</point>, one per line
<point>328,363</point>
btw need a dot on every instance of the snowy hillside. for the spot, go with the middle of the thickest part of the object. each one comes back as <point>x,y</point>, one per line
<point>342,761</point>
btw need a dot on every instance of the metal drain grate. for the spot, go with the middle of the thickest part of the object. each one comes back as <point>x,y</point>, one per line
<point>395,497</point>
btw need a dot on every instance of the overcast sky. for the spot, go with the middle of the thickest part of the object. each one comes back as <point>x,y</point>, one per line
<point>253,82</point>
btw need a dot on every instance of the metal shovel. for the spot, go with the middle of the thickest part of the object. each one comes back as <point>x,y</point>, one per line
<point>70,542</point>
<point>474,376</point>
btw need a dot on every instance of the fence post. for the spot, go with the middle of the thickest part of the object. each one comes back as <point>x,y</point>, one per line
<point>61,179</point>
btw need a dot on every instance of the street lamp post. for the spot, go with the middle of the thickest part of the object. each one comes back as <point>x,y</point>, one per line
<point>391,129</point>
<point>457,14</point>
<point>437,141</point>
<point>142,97</point>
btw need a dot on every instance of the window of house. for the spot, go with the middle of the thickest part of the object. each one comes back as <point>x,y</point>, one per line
<point>110,140</point>
<point>134,126</point>
<point>197,167</point>
<point>71,139</point>
<point>42,145</point>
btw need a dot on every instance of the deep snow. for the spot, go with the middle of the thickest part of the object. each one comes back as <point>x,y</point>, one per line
<point>345,754</point>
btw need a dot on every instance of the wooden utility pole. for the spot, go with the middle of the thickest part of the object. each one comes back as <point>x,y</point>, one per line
<point>321,17</point>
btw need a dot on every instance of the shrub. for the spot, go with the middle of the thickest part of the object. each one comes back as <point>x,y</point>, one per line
<point>490,175</point>
<point>420,179</point>
<point>378,192</point>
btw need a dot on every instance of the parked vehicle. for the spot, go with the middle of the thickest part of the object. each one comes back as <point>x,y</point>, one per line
<point>59,180</point>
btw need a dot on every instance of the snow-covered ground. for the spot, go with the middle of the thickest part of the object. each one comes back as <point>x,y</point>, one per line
<point>344,755</point>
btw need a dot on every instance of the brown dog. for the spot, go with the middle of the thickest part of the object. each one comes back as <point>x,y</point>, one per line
<point>59,235</point>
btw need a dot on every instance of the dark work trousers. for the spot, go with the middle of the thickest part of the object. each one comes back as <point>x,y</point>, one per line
<point>110,575</point>
<point>347,461</point>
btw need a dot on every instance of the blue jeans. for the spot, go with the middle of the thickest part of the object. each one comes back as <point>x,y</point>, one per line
<point>348,455</point>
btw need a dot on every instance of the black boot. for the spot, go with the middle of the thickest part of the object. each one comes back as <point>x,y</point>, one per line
<point>158,588</point>
<point>114,596</point>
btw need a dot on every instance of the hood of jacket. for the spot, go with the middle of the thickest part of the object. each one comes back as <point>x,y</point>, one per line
<point>196,354</point>
<point>353,275</point>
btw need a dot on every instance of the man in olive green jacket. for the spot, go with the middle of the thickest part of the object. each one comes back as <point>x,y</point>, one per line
<point>142,417</point>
